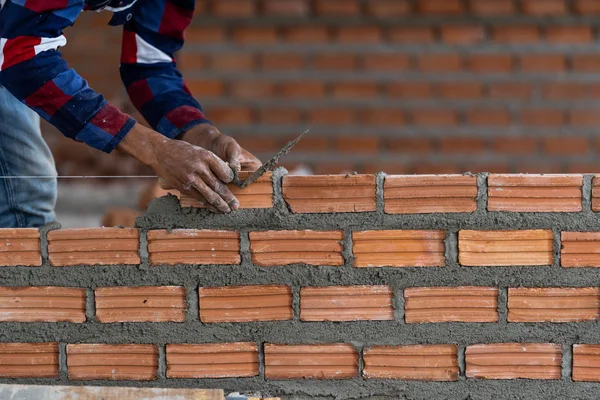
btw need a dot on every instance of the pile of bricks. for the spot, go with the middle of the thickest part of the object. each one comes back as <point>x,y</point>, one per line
<point>377,280</point>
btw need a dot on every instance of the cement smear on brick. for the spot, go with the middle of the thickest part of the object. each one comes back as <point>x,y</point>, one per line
<point>166,213</point>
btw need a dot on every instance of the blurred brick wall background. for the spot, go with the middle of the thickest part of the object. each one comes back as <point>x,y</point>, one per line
<point>405,86</point>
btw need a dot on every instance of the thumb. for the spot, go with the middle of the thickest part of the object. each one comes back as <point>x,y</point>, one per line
<point>233,154</point>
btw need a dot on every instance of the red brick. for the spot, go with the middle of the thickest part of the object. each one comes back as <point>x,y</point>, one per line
<point>586,7</point>
<point>511,90</point>
<point>386,62</point>
<point>515,145</point>
<point>434,168</point>
<point>582,167</point>
<point>255,35</point>
<point>140,304</point>
<point>272,248</point>
<point>396,248</point>
<point>585,362</point>
<point>357,145</point>
<point>462,145</point>
<point>596,193</point>
<point>413,35</point>
<point>235,115</point>
<point>516,34</point>
<point>20,246</point>
<point>488,117</point>
<point>282,61</point>
<point>586,117</point>
<point>206,87</point>
<point>542,117</point>
<point>233,8</point>
<point>553,304</point>
<point>337,62</point>
<point>252,89</point>
<point>412,362</point>
<point>358,34</point>
<point>330,193</point>
<point>539,168</point>
<point>430,194</point>
<point>434,117</point>
<point>337,7</point>
<point>421,145</point>
<point>561,145</point>
<point>494,8</point>
<point>279,116</point>
<point>332,116</point>
<point>327,168</point>
<point>384,117</point>
<point>42,304</point>
<point>347,303</point>
<point>535,193</point>
<point>93,246</point>
<point>545,7</point>
<point>205,34</point>
<point>316,143</point>
<point>446,7</point>
<point>586,63</point>
<point>355,90</point>
<point>189,61</point>
<point>245,303</point>
<point>505,248</point>
<point>323,361</point>
<point>514,361</point>
<point>569,34</point>
<point>303,89</point>
<point>388,8</point>
<point>451,304</point>
<point>410,90</point>
<point>449,62</point>
<point>306,34</point>
<point>232,62</point>
<point>193,246</point>
<point>461,90</point>
<point>132,362</point>
<point>462,34</point>
<point>212,360</point>
<point>543,63</point>
<point>479,167</point>
<point>29,360</point>
<point>292,8</point>
<point>564,90</point>
<point>490,63</point>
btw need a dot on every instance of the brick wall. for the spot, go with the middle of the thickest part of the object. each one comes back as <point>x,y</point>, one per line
<point>364,284</point>
<point>405,86</point>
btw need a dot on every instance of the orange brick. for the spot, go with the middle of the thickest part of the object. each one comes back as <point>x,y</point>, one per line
<point>93,246</point>
<point>490,63</point>
<point>580,249</point>
<point>542,117</point>
<point>29,360</point>
<point>505,248</point>
<point>334,168</point>
<point>232,61</point>
<point>344,90</point>
<point>140,304</point>
<point>388,8</point>
<point>330,193</point>
<point>346,303</point>
<point>337,7</point>
<point>255,35</point>
<point>434,117</point>
<point>564,90</point>
<point>462,34</point>
<point>587,117</point>
<point>451,304</point>
<point>42,304</point>
<point>494,8</point>
<point>411,35</point>
<point>306,34</point>
<point>386,62</point>
<point>488,117</point>
<point>272,248</point>
<point>412,362</point>
<point>132,362</point>
<point>586,7</point>
<point>245,303</point>
<point>553,304</point>
<point>409,145</point>
<point>252,89</point>
<point>515,145</point>
<point>212,360</point>
<point>332,116</point>
<point>508,90</point>
<point>279,116</point>
<point>410,90</point>
<point>188,61</point>
<point>460,90</point>
<point>231,115</point>
<point>205,34</point>
<point>20,246</point>
<point>303,89</point>
<point>544,8</point>
<point>282,61</point>
<point>514,361</point>
<point>434,168</point>
<point>446,7</point>
<point>206,87</point>
<point>257,195</point>
<point>569,34</point>
<point>233,8</point>
<point>450,62</point>
<point>566,145</point>
<point>292,8</point>
<point>315,143</point>
<point>381,117</point>
<point>585,362</point>
<point>543,62</point>
<point>336,61</point>
<point>357,145</point>
<point>430,194</point>
<point>535,193</point>
<point>596,193</point>
<point>586,62</point>
<point>395,248</point>
<point>492,167</point>
<point>462,145</point>
<point>323,361</point>
<point>193,246</point>
<point>358,34</point>
<point>516,34</point>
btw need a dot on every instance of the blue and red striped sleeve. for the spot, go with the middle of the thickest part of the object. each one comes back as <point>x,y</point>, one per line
<point>33,70</point>
<point>148,68</point>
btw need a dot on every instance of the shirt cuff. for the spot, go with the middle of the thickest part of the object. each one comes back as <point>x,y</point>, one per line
<point>106,129</point>
<point>179,120</point>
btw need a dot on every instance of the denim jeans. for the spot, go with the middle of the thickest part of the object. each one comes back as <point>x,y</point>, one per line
<point>23,152</point>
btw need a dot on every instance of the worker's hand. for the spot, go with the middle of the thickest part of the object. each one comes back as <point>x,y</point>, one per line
<point>182,166</point>
<point>209,137</point>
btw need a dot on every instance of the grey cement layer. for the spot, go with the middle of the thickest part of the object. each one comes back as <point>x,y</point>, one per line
<point>165,213</point>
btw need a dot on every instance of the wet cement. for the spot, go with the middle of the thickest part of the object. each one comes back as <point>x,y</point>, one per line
<point>165,213</point>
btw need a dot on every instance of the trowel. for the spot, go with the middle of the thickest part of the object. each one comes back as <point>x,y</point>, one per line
<point>269,165</point>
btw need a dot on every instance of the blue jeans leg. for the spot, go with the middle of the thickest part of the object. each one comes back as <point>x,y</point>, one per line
<point>23,152</point>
